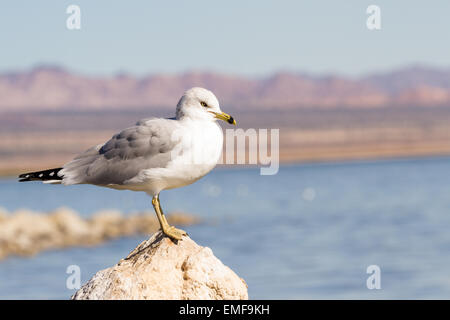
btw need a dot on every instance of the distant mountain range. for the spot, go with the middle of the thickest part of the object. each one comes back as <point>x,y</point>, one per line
<point>54,88</point>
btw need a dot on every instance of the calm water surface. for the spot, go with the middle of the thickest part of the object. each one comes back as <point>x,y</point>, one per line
<point>310,231</point>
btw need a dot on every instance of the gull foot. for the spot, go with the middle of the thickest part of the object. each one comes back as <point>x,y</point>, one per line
<point>174,233</point>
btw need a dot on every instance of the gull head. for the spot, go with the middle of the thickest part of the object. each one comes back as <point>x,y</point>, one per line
<point>201,104</point>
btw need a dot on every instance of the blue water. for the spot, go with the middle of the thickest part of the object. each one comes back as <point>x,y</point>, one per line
<point>310,231</point>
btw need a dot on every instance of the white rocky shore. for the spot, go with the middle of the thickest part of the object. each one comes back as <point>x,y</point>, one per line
<point>161,269</point>
<point>26,233</point>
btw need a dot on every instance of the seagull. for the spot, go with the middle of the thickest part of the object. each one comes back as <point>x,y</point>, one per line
<point>154,155</point>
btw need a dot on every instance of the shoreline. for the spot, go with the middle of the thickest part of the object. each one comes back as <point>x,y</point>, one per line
<point>290,157</point>
<point>26,232</point>
<point>313,136</point>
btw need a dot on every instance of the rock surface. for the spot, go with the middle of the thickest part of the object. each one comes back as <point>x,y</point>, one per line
<point>160,269</point>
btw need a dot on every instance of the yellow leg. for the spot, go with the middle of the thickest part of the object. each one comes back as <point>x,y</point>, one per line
<point>167,229</point>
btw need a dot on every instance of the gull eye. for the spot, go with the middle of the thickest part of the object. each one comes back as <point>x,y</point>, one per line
<point>203,104</point>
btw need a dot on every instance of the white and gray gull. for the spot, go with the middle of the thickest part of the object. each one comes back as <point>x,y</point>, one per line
<point>154,155</point>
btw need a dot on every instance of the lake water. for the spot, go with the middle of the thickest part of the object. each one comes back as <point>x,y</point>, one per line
<point>309,232</point>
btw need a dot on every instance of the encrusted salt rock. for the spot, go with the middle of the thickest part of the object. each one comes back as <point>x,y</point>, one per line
<point>161,269</point>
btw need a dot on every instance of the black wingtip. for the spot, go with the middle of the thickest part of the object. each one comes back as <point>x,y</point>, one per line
<point>24,177</point>
<point>45,175</point>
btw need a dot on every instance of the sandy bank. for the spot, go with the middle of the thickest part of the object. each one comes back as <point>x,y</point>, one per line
<point>26,232</point>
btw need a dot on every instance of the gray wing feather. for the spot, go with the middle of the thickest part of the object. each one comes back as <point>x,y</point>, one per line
<point>144,146</point>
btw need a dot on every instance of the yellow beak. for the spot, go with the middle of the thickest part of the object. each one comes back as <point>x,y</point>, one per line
<point>225,117</point>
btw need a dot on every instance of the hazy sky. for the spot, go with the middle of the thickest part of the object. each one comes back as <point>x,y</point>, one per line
<point>245,37</point>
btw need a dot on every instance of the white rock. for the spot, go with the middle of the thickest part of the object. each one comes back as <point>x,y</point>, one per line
<point>161,269</point>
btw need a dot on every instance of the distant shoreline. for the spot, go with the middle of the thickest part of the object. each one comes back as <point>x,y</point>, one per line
<point>291,157</point>
<point>44,141</point>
